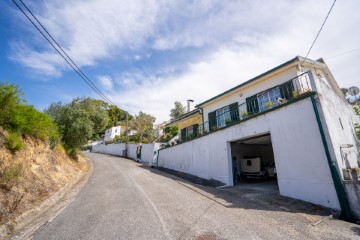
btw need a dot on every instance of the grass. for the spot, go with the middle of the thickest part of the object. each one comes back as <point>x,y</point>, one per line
<point>13,142</point>
<point>8,175</point>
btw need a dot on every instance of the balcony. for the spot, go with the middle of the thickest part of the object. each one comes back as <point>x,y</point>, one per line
<point>260,103</point>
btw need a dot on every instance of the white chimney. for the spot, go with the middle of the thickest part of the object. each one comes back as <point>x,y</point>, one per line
<point>190,105</point>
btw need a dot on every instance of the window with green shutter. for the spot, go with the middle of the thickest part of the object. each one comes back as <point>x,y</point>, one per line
<point>252,105</point>
<point>195,129</point>
<point>183,134</point>
<point>286,90</point>
<point>234,111</point>
<point>212,120</point>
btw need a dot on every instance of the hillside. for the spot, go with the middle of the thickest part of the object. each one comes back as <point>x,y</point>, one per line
<point>31,175</point>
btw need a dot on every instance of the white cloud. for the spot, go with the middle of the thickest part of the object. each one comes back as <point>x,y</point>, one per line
<point>241,39</point>
<point>106,81</point>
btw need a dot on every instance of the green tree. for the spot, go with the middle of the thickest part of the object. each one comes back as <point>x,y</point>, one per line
<point>10,98</point>
<point>169,133</point>
<point>117,116</point>
<point>21,119</point>
<point>177,111</point>
<point>143,124</point>
<point>357,126</point>
<point>79,121</point>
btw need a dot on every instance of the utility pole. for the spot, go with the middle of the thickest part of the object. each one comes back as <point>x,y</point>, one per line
<point>127,134</point>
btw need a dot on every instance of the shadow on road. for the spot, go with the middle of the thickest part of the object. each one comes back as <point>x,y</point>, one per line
<point>259,195</point>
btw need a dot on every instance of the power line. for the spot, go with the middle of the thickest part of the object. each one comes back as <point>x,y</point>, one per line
<point>317,35</point>
<point>344,53</point>
<point>71,63</point>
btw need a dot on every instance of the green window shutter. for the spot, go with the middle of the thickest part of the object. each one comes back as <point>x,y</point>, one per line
<point>252,105</point>
<point>195,129</point>
<point>212,120</point>
<point>286,90</point>
<point>234,111</point>
<point>183,134</point>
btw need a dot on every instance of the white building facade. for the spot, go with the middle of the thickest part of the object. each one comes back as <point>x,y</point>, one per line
<point>111,133</point>
<point>294,116</point>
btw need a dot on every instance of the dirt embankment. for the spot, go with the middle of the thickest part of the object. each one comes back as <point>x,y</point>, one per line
<point>31,175</point>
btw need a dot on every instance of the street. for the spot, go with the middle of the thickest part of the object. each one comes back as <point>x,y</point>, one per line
<point>126,200</point>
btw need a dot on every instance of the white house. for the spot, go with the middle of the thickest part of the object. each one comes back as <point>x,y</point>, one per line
<point>294,117</point>
<point>111,133</point>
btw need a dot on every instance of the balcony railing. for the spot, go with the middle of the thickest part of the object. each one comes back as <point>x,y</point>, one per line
<point>263,102</point>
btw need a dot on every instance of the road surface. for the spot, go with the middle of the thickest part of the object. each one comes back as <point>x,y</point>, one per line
<point>125,200</point>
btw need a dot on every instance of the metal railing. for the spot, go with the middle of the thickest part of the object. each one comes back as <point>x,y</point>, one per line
<point>264,101</point>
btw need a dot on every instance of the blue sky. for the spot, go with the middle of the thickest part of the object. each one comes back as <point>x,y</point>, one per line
<point>145,55</point>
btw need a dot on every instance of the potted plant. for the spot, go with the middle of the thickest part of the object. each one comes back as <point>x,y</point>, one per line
<point>214,128</point>
<point>295,93</point>
<point>244,115</point>
<point>227,121</point>
<point>268,105</point>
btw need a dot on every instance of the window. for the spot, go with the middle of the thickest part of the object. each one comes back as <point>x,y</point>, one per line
<point>269,96</point>
<point>222,115</point>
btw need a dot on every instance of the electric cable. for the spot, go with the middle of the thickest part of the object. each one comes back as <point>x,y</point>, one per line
<point>317,35</point>
<point>73,65</point>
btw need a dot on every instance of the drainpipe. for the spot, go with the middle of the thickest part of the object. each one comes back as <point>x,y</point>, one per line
<point>339,187</point>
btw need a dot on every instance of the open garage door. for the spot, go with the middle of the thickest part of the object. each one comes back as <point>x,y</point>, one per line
<point>253,160</point>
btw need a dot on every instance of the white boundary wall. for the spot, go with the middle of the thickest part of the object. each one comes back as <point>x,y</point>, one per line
<point>147,152</point>
<point>113,149</point>
<point>301,163</point>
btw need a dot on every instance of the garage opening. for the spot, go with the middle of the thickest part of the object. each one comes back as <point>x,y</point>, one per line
<point>253,161</point>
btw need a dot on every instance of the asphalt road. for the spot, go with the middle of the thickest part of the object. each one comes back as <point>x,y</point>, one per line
<point>125,200</point>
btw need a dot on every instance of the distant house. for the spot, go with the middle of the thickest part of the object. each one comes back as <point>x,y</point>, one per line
<point>188,123</point>
<point>112,132</point>
<point>293,118</point>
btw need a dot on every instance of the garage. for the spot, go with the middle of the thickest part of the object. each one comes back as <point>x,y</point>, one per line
<point>253,161</point>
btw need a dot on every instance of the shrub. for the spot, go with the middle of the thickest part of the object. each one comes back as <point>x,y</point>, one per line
<point>16,116</point>
<point>9,175</point>
<point>13,142</point>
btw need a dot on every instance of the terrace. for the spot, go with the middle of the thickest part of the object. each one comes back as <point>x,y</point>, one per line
<point>261,103</point>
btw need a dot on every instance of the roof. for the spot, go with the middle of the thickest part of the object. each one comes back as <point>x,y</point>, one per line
<point>185,115</point>
<point>297,58</point>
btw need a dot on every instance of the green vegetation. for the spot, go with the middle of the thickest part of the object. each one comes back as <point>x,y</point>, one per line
<point>13,142</point>
<point>169,133</point>
<point>177,111</point>
<point>18,118</point>
<point>79,121</point>
<point>8,175</point>
<point>357,126</point>
<point>143,124</point>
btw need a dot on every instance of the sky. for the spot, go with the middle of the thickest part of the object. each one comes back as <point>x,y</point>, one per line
<point>145,55</point>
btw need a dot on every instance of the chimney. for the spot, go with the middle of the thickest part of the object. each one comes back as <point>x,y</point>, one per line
<point>190,105</point>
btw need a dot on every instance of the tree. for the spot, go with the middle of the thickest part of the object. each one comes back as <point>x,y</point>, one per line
<point>116,116</point>
<point>143,124</point>
<point>357,126</point>
<point>169,133</point>
<point>177,111</point>
<point>79,121</point>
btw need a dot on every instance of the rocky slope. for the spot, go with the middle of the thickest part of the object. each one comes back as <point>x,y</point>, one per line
<point>31,175</point>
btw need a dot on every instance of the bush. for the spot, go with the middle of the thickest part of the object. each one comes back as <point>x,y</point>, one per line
<point>10,174</point>
<point>13,142</point>
<point>16,116</point>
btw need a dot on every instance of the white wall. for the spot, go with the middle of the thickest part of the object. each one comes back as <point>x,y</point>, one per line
<point>338,119</point>
<point>131,151</point>
<point>148,152</point>
<point>112,149</point>
<point>303,172</point>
